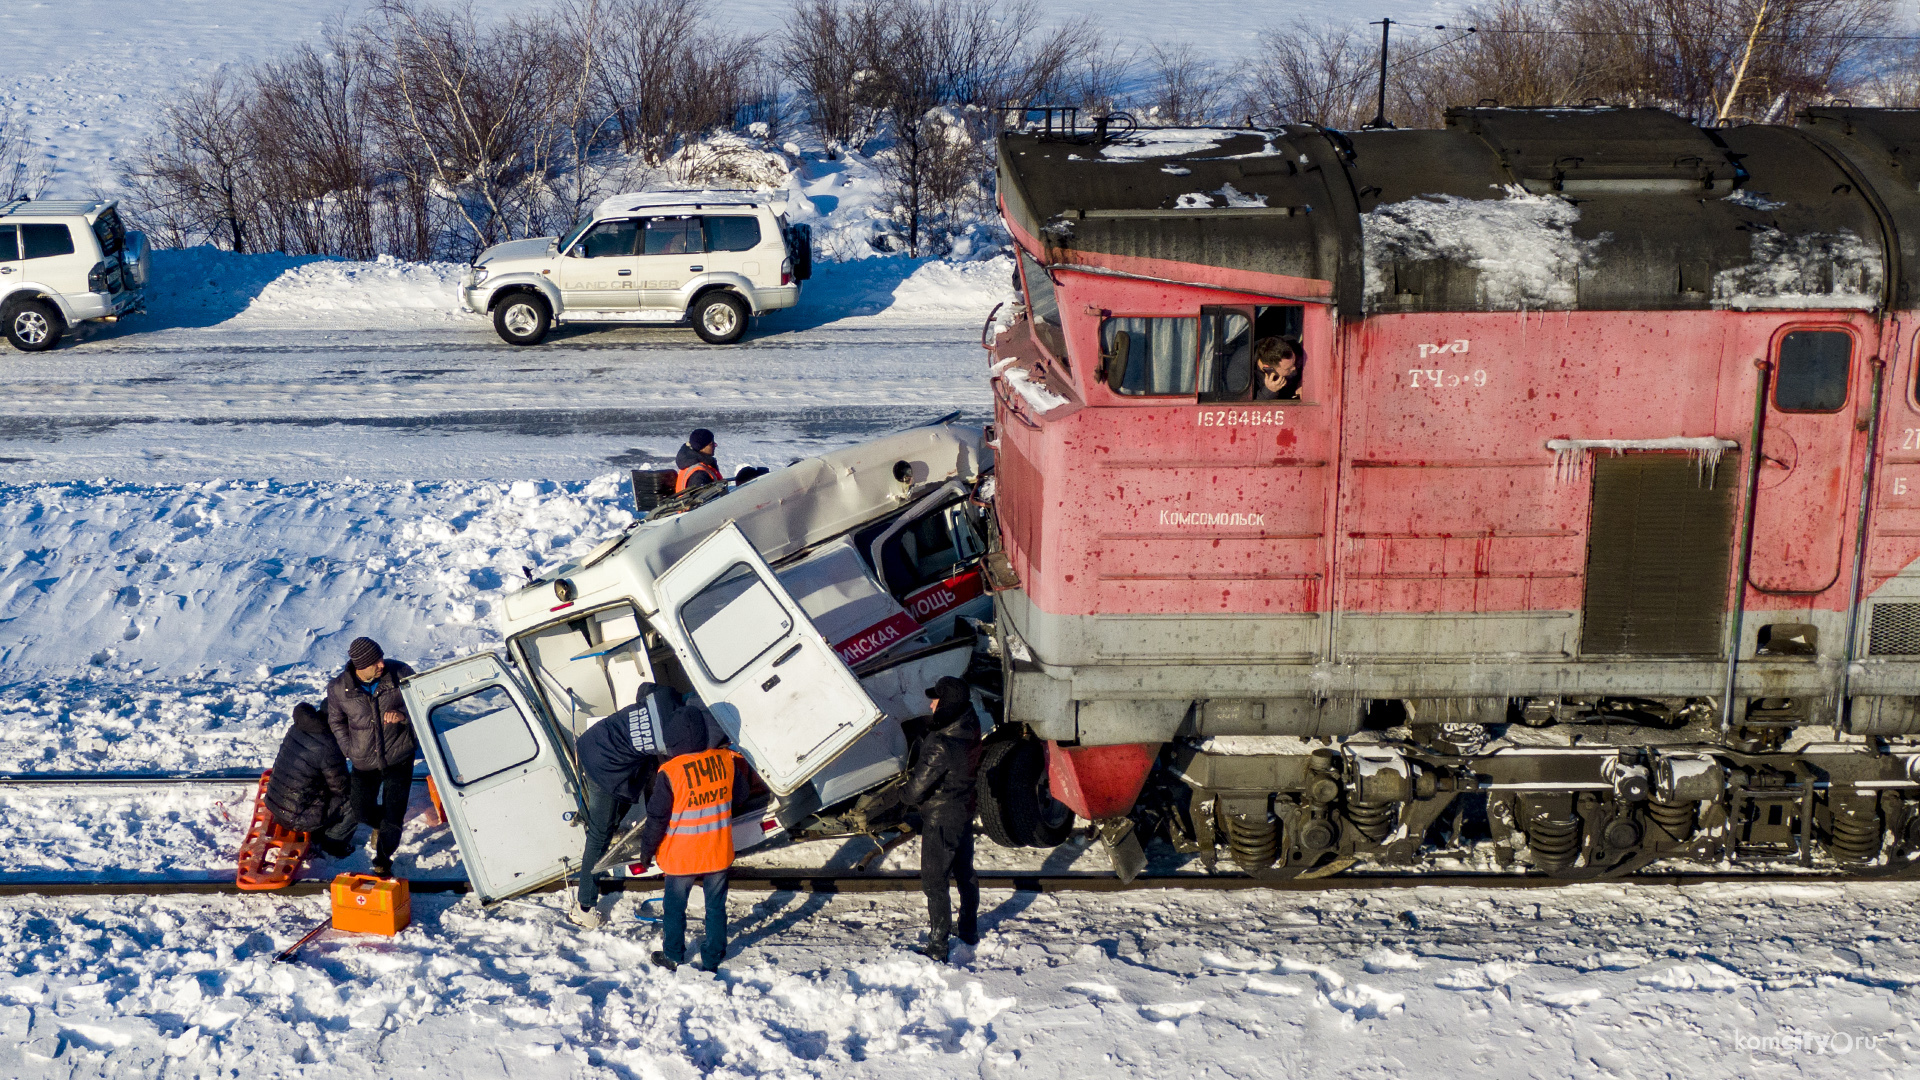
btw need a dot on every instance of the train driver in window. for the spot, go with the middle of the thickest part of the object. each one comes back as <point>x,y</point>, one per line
<point>1278,360</point>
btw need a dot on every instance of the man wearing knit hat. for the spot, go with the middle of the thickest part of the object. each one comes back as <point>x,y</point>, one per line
<point>696,463</point>
<point>369,720</point>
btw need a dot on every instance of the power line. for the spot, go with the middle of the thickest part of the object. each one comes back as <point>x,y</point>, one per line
<point>1352,83</point>
<point>1664,33</point>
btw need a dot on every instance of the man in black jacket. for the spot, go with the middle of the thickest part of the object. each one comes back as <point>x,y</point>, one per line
<point>619,755</point>
<point>369,720</point>
<point>695,464</point>
<point>308,789</point>
<point>940,784</point>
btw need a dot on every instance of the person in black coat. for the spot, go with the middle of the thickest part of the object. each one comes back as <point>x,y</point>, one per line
<point>940,784</point>
<point>369,720</point>
<point>618,755</point>
<point>308,789</point>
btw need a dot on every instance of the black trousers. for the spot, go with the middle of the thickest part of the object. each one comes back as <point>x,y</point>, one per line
<point>378,797</point>
<point>946,853</point>
<point>605,812</point>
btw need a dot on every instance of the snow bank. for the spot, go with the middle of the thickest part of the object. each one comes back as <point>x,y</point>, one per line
<point>205,286</point>
<point>175,627</point>
<point>1522,245</point>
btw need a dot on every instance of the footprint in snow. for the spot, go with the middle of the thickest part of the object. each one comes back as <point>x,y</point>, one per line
<point>1571,999</point>
<point>1382,960</point>
<point>1228,963</point>
<point>1172,1010</point>
<point>1328,978</point>
<point>1272,986</point>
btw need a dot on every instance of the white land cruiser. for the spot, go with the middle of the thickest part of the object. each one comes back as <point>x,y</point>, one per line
<point>714,258</point>
<point>63,263</point>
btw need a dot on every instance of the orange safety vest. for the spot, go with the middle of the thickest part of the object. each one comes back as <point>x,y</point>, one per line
<point>699,836</point>
<point>686,474</point>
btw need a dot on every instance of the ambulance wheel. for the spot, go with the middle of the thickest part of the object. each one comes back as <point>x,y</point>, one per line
<point>993,810</point>
<point>720,318</point>
<point>1017,807</point>
<point>522,319</point>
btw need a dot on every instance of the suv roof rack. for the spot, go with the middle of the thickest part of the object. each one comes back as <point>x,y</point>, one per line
<point>53,207</point>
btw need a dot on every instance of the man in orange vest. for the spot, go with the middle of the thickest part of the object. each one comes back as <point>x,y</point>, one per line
<point>698,467</point>
<point>689,830</point>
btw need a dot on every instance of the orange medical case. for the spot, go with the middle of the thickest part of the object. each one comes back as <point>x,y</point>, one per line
<point>364,904</point>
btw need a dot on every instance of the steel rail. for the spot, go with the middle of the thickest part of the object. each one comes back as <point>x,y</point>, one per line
<point>138,779</point>
<point>754,879</point>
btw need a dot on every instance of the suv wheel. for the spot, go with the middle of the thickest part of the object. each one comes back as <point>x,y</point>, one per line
<point>33,325</point>
<point>720,318</point>
<point>522,319</point>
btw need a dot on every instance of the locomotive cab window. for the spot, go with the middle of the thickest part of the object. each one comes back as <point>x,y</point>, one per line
<point>1044,305</point>
<point>1149,357</point>
<point>1811,375</point>
<point>1251,353</point>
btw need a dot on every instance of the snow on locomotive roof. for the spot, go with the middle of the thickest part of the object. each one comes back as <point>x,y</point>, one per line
<point>1503,210</point>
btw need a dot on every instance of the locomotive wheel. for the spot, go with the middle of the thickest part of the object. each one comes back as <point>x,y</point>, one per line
<point>1017,807</point>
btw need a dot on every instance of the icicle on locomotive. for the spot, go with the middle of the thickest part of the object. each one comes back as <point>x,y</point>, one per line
<point>1586,525</point>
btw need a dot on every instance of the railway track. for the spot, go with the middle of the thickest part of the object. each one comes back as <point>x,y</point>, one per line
<point>780,879</point>
<point>754,879</point>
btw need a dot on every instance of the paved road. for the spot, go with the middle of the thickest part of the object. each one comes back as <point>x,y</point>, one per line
<point>252,402</point>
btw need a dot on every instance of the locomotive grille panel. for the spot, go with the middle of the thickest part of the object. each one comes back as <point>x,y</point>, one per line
<point>1896,630</point>
<point>1657,555</point>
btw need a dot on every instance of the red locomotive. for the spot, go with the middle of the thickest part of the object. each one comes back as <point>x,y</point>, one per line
<point>1552,478</point>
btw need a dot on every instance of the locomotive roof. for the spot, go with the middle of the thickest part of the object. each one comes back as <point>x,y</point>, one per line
<point>1501,210</point>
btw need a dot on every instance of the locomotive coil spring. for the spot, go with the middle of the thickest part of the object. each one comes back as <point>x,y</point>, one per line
<point>1673,818</point>
<point>1555,844</point>
<point>1856,837</point>
<point>1375,821</point>
<point>1253,844</point>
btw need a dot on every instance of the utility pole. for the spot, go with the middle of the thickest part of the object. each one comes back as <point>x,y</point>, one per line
<point>1380,114</point>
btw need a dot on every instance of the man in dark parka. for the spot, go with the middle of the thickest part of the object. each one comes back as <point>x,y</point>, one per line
<point>308,789</point>
<point>940,784</point>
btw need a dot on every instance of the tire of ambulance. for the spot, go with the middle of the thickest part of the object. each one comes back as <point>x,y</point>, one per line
<point>33,325</point>
<point>523,318</point>
<point>1017,807</point>
<point>720,318</point>
<point>1035,814</point>
<point>994,817</point>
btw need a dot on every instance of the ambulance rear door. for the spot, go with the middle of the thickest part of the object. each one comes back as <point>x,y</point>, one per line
<point>510,795</point>
<point>771,679</point>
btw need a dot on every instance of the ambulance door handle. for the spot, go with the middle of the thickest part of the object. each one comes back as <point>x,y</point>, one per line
<point>626,273</point>
<point>696,269</point>
<point>788,655</point>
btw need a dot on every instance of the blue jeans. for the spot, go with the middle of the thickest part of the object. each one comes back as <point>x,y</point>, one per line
<point>679,887</point>
<point>605,812</point>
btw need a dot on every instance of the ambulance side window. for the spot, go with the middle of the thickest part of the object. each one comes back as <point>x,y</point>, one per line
<point>1149,356</point>
<point>482,734</point>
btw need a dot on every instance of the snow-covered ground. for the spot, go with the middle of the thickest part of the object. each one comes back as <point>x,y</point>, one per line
<point>200,506</point>
<point>1601,981</point>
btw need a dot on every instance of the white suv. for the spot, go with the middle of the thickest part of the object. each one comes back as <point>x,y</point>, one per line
<point>65,262</point>
<point>713,258</point>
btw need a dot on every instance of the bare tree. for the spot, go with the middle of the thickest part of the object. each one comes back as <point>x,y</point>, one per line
<point>199,185</point>
<point>1313,73</point>
<point>23,174</point>
<point>1185,88</point>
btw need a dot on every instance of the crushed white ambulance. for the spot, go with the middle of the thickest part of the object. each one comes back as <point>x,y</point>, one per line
<point>807,609</point>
